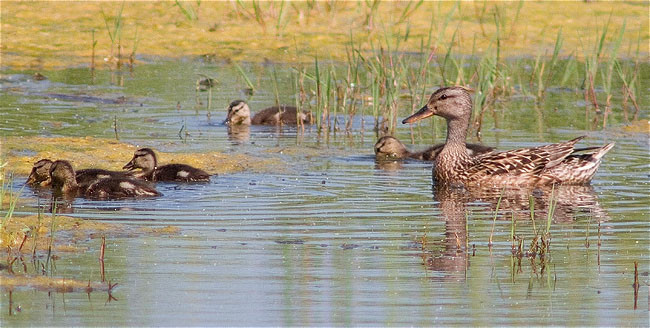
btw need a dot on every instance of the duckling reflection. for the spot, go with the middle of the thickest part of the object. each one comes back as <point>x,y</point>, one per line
<point>389,166</point>
<point>239,132</point>
<point>570,203</point>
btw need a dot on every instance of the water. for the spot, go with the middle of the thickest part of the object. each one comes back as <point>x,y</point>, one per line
<point>331,237</point>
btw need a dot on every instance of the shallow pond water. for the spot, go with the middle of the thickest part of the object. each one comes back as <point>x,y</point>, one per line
<point>332,237</point>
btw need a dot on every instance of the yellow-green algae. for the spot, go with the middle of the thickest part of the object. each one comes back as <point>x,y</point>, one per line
<point>42,35</point>
<point>69,232</point>
<point>21,153</point>
<point>640,126</point>
<point>52,284</point>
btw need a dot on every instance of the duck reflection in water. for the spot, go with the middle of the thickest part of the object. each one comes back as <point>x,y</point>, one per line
<point>451,258</point>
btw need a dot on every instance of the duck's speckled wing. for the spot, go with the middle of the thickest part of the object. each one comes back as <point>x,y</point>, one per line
<point>522,163</point>
<point>578,168</point>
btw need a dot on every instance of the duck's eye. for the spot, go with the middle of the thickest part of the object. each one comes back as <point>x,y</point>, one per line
<point>443,97</point>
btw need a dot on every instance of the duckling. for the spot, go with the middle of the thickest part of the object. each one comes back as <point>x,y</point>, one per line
<point>390,148</point>
<point>240,113</point>
<point>40,175</point>
<point>145,159</point>
<point>86,177</point>
<point>544,165</point>
<point>64,183</point>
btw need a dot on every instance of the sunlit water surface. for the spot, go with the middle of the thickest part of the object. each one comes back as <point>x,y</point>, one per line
<point>331,237</point>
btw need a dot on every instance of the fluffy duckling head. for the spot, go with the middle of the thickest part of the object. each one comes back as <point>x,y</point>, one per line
<point>388,148</point>
<point>238,113</point>
<point>143,158</point>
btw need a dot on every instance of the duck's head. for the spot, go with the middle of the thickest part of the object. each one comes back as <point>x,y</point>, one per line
<point>450,103</point>
<point>143,158</point>
<point>238,113</point>
<point>40,174</point>
<point>388,147</point>
<point>62,174</point>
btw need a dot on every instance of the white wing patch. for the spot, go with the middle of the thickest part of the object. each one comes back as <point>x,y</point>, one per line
<point>182,174</point>
<point>127,185</point>
<point>103,176</point>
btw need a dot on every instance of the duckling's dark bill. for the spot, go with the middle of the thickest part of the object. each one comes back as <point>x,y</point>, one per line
<point>424,112</point>
<point>129,166</point>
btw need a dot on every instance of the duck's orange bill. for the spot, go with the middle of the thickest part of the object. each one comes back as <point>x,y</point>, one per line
<point>424,112</point>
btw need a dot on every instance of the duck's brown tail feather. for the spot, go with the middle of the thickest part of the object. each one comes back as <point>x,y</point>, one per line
<point>603,150</point>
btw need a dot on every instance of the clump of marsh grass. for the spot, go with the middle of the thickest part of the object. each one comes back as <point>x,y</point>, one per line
<point>115,31</point>
<point>115,34</point>
<point>383,79</point>
<point>188,10</point>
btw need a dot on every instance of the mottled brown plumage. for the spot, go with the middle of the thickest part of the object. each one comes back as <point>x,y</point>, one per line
<point>390,148</point>
<point>240,113</point>
<point>549,164</point>
<point>64,183</point>
<point>40,175</point>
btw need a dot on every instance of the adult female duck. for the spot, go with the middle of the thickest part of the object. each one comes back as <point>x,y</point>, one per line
<point>549,164</point>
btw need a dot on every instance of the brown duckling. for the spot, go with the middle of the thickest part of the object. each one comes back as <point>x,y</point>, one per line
<point>145,159</point>
<point>40,175</point>
<point>240,113</point>
<point>550,164</point>
<point>64,182</point>
<point>390,148</point>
